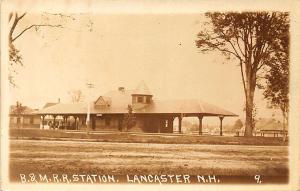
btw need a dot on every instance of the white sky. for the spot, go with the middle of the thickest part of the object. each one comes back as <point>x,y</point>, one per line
<point>122,50</point>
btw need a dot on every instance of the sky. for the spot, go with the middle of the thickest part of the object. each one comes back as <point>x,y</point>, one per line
<point>112,50</point>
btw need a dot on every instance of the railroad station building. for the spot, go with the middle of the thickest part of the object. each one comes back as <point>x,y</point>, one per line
<point>151,115</point>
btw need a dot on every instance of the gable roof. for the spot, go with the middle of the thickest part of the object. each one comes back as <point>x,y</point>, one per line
<point>48,104</point>
<point>103,101</point>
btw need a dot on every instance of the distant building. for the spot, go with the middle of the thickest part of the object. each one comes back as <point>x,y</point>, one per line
<point>26,118</point>
<point>152,115</point>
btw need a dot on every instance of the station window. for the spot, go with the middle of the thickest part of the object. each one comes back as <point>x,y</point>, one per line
<point>148,99</point>
<point>140,99</point>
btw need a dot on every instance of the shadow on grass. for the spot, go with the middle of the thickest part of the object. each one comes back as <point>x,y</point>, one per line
<point>37,134</point>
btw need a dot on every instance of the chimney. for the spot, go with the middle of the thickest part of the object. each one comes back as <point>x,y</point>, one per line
<point>121,89</point>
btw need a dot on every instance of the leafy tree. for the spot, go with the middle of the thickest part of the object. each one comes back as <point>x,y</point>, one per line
<point>238,124</point>
<point>129,119</point>
<point>276,90</point>
<point>15,59</point>
<point>18,110</point>
<point>253,39</point>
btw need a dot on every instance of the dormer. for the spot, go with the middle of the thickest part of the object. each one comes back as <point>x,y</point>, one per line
<point>103,101</point>
<point>141,95</point>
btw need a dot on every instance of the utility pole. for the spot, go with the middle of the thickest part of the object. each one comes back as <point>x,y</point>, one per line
<point>88,123</point>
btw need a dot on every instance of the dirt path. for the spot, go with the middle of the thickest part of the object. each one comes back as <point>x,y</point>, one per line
<point>69,157</point>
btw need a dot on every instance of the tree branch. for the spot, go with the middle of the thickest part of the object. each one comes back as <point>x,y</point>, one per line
<point>243,77</point>
<point>237,42</point>
<point>12,29</point>
<point>264,49</point>
<point>216,44</point>
<point>10,16</point>
<point>226,39</point>
<point>31,26</point>
<point>21,16</point>
<point>260,66</point>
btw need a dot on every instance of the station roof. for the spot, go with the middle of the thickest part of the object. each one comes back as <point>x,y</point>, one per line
<point>49,104</point>
<point>121,99</point>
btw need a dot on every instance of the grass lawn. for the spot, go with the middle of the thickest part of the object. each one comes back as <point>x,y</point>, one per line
<point>71,157</point>
<point>36,134</point>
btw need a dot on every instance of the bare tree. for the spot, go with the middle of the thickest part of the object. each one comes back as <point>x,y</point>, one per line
<point>76,96</point>
<point>16,19</point>
<point>15,58</point>
<point>253,38</point>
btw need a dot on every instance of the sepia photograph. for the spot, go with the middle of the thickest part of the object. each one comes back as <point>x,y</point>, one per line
<point>147,95</point>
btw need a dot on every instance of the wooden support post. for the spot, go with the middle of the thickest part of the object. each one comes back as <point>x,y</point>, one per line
<point>66,126</point>
<point>63,123</point>
<point>83,121</point>
<point>76,123</point>
<point>43,121</point>
<point>221,120</point>
<point>66,122</point>
<point>72,124</point>
<point>120,123</point>
<point>54,117</point>
<point>200,117</point>
<point>93,122</point>
<point>172,123</point>
<point>160,123</point>
<point>179,123</point>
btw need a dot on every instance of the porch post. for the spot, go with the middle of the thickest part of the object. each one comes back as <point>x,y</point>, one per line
<point>160,123</point>
<point>54,117</point>
<point>179,123</point>
<point>43,121</point>
<point>93,122</point>
<point>170,124</point>
<point>66,122</point>
<point>120,123</point>
<point>84,121</point>
<point>76,127</point>
<point>200,117</point>
<point>221,119</point>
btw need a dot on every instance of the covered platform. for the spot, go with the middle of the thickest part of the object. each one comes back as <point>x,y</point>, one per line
<point>157,117</point>
<point>108,111</point>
